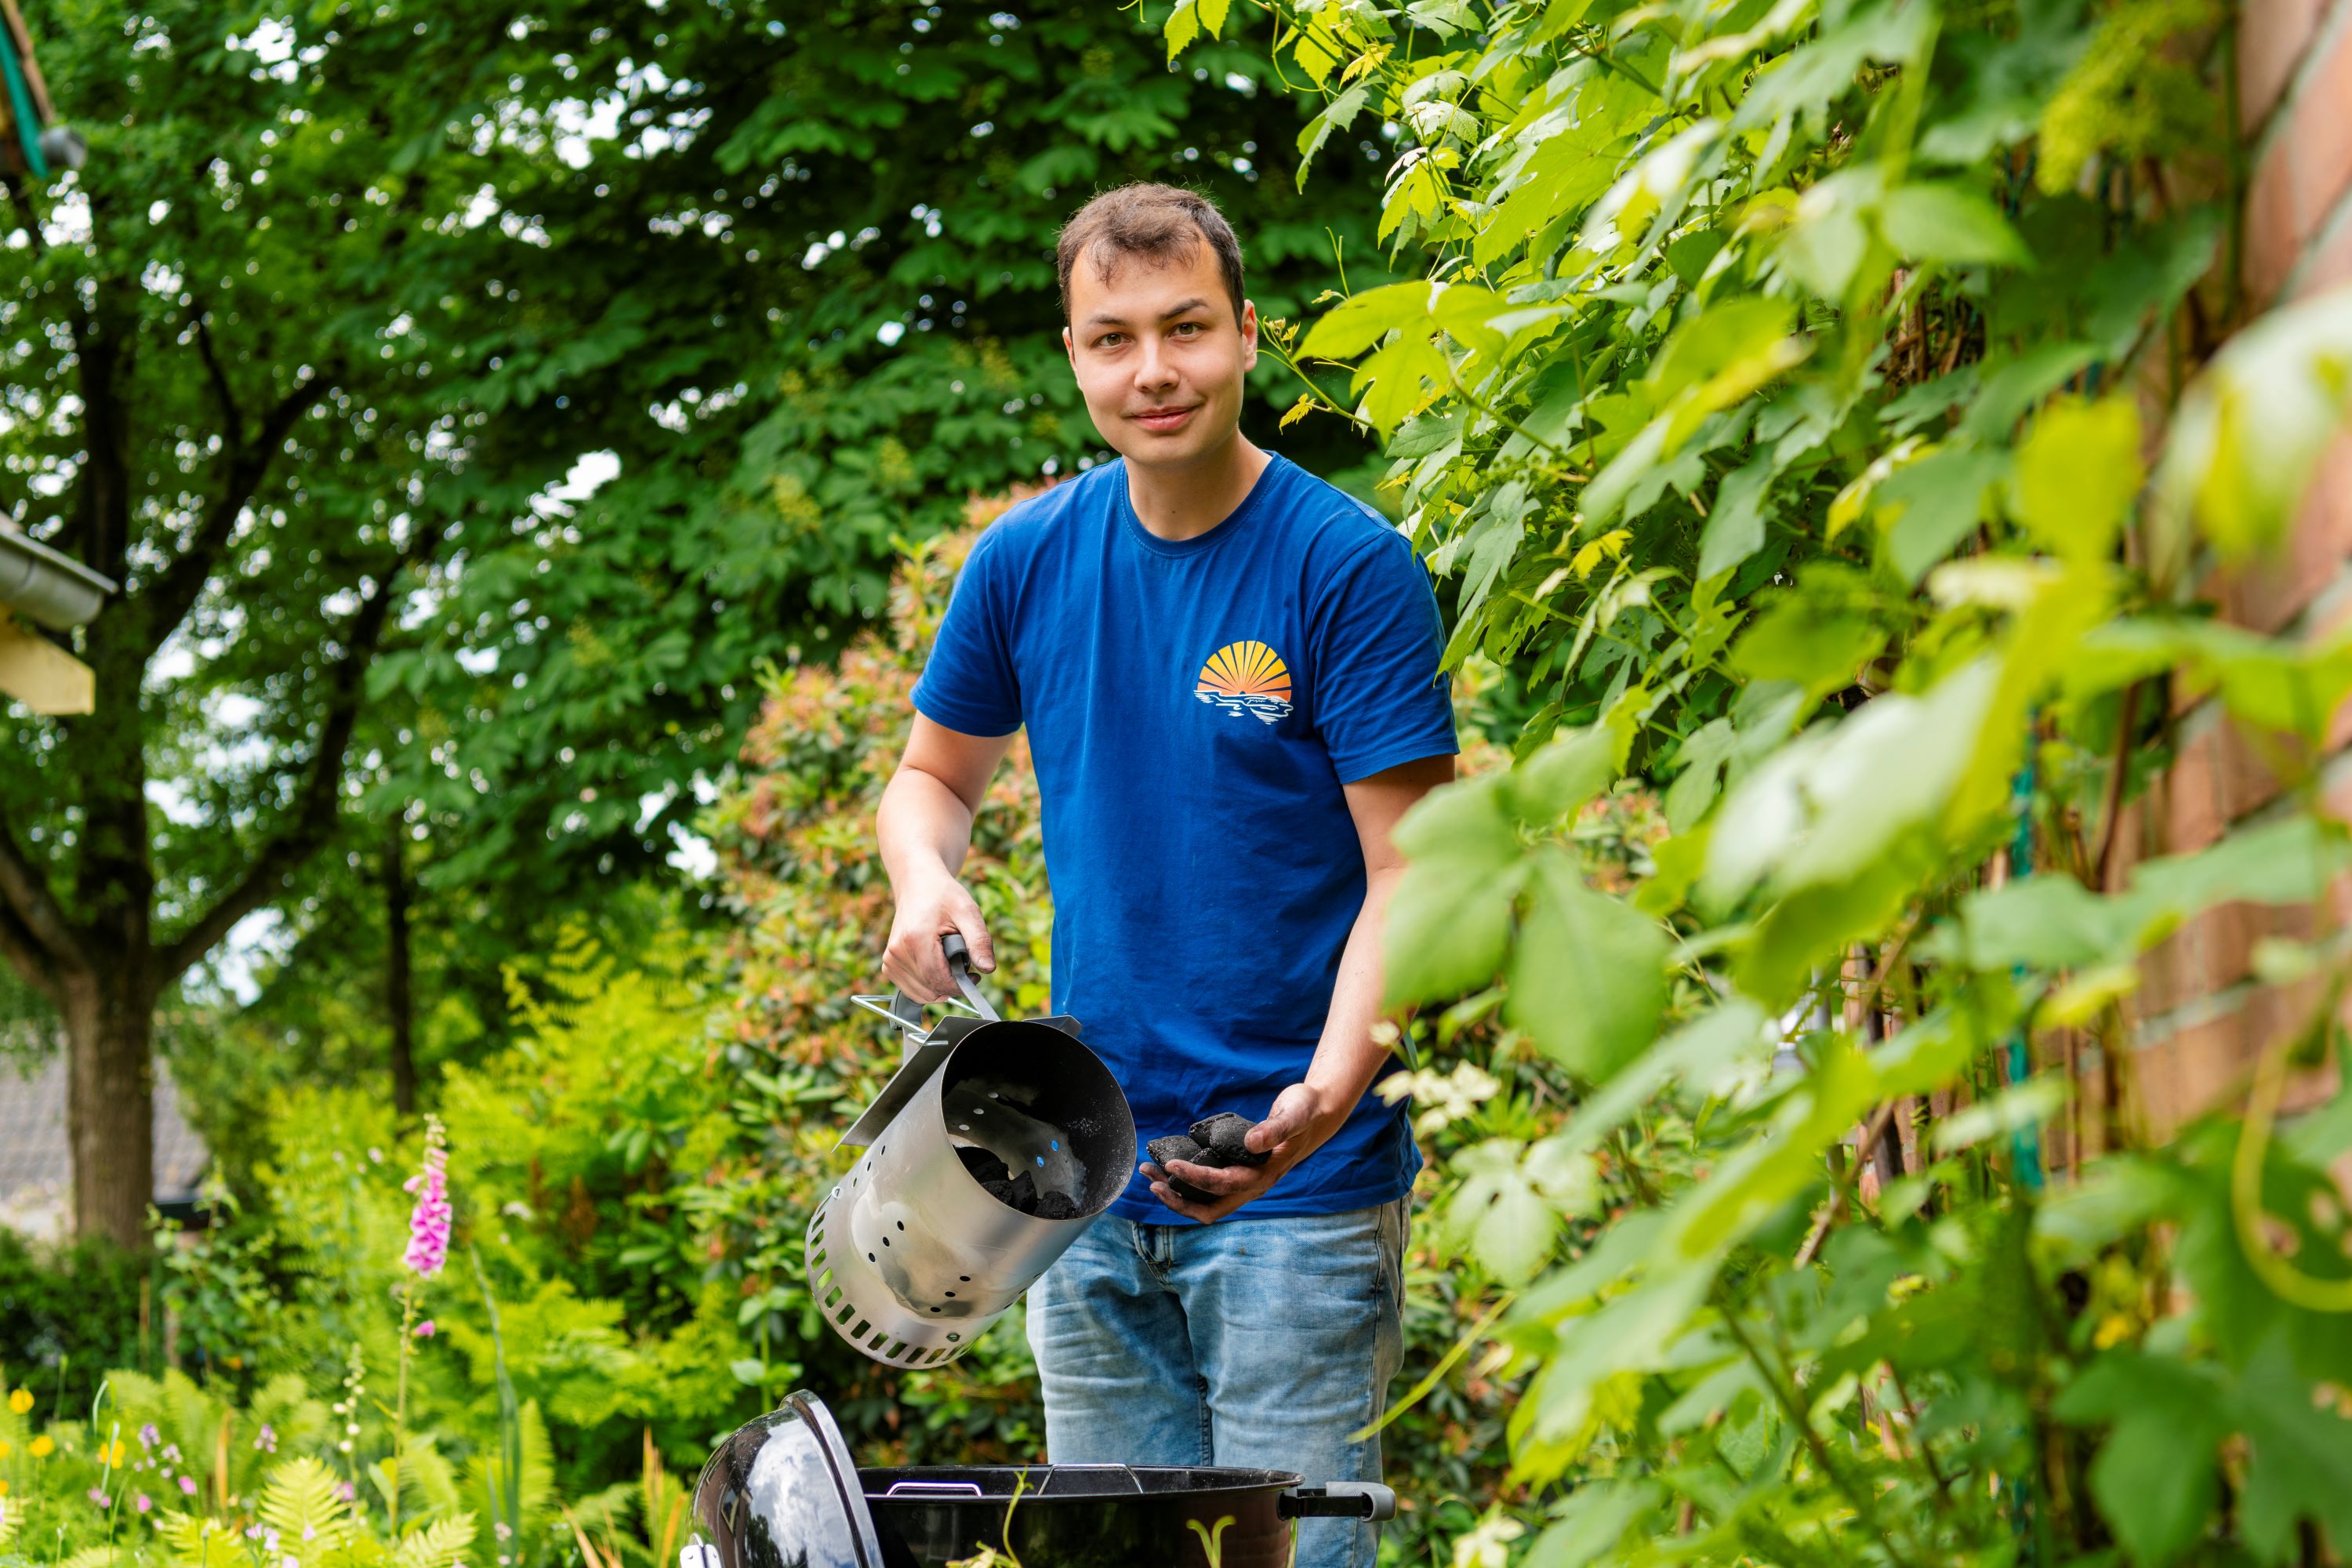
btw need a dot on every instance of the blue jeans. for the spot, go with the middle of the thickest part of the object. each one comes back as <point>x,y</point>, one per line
<point>1262,1344</point>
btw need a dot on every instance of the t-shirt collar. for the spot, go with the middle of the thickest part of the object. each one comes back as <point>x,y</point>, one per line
<point>1236,521</point>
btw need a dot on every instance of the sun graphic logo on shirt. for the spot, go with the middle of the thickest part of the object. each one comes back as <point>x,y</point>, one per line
<point>1247,677</point>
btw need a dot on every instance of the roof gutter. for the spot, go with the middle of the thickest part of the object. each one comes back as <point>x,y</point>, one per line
<point>46,588</point>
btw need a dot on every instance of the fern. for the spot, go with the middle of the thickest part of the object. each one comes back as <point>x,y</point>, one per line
<point>198,1542</point>
<point>435,1545</point>
<point>300,1503</point>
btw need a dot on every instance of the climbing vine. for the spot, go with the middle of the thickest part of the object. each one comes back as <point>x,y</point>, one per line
<point>1827,413</point>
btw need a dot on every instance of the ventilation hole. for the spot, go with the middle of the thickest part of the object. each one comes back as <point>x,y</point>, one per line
<point>902,1224</point>
<point>936,1311</point>
<point>966,1279</point>
<point>832,1298</point>
<point>955,1336</point>
<point>859,1331</point>
<point>871,1259</point>
<point>886,1241</point>
<point>963,1126</point>
<point>1057,1145</point>
<point>1041,1162</point>
<point>981,1110</point>
<point>848,1309</point>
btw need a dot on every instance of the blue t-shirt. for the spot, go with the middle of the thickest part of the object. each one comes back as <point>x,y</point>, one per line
<point>1193,706</point>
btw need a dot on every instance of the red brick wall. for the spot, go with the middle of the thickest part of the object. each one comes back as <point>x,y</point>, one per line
<point>2199,1018</point>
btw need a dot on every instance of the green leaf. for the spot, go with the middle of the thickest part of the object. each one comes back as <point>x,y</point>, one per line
<point>2252,429</point>
<point>1932,221</point>
<point>1212,15</point>
<point>2078,470</point>
<point>1183,26</point>
<point>1797,640</point>
<point>1592,1520</point>
<point>2299,1455</point>
<point>1499,1215</point>
<point>1734,528</point>
<point>2154,1477</point>
<point>1572,767</point>
<point>1449,922</point>
<point>1338,115</point>
<point>1824,247</point>
<point>1359,321</point>
<point>1587,978</point>
<point>1936,504</point>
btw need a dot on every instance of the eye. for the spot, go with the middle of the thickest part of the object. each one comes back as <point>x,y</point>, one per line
<point>1110,340</point>
<point>1188,328</point>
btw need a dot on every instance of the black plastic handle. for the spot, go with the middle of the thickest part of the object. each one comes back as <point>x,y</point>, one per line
<point>1337,1499</point>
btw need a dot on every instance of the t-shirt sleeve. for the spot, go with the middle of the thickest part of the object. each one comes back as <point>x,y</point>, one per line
<point>1379,699</point>
<point>968,684</point>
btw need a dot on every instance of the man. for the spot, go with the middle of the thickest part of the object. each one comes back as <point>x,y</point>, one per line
<point>1229,672</point>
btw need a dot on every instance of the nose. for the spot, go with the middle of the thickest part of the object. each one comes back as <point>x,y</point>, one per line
<point>1153,374</point>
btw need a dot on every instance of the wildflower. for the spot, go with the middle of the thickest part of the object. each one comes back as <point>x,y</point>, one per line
<point>428,1223</point>
<point>505,1533</point>
<point>100,1498</point>
<point>41,1447</point>
<point>267,1440</point>
<point>310,1533</point>
<point>4,1491</point>
<point>5,1449</point>
<point>171,1452</point>
<point>347,1491</point>
<point>21,1401</point>
<point>188,1486</point>
<point>148,1436</point>
<point>426,1330</point>
<point>297,1562</point>
<point>145,1503</point>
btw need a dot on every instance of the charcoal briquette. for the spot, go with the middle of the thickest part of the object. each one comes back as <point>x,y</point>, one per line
<point>984,1166</point>
<point>1221,1138</point>
<point>1057,1206</point>
<point>1175,1146</point>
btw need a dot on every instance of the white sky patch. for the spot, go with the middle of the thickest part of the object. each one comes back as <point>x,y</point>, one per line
<point>693,854</point>
<point>260,940</point>
<point>590,473</point>
<point>580,125</point>
<point>890,333</point>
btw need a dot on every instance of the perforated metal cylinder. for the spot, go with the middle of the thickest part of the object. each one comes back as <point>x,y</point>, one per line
<point>909,1258</point>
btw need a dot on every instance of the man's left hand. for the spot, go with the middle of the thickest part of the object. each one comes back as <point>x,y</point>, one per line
<point>1302,1119</point>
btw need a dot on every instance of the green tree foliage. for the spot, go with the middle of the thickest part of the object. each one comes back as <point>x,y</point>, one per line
<point>1769,411</point>
<point>305,354</point>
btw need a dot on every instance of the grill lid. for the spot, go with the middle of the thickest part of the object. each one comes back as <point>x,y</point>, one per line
<point>782,1492</point>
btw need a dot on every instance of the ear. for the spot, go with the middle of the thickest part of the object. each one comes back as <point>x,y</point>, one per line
<point>1249,334</point>
<point>1070,347</point>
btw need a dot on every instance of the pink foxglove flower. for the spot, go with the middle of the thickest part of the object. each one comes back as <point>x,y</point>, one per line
<point>426,1330</point>
<point>428,1223</point>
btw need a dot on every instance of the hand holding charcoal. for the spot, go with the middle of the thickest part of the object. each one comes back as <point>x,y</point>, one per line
<point>1301,1120</point>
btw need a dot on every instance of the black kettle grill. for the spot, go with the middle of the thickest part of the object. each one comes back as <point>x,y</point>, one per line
<point>784,1493</point>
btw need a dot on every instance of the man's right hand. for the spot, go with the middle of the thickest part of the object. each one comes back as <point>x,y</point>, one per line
<point>912,961</point>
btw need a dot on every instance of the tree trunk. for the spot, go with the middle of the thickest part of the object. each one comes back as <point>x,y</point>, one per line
<point>398,1001</point>
<point>110,1105</point>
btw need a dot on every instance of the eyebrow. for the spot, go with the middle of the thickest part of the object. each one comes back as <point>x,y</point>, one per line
<point>1100,320</point>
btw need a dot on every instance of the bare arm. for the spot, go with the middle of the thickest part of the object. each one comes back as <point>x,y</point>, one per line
<point>924,824</point>
<point>1347,1058</point>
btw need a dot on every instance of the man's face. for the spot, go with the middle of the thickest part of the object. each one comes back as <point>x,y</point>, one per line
<point>1158,355</point>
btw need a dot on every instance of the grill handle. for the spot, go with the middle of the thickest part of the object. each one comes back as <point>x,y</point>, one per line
<point>1338,1500</point>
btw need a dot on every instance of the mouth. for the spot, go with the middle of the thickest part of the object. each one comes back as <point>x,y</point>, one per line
<point>1164,419</point>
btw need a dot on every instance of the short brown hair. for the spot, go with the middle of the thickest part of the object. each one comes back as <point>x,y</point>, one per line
<point>1159,223</point>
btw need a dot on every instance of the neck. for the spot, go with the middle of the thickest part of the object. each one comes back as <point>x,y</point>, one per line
<point>1186,501</point>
